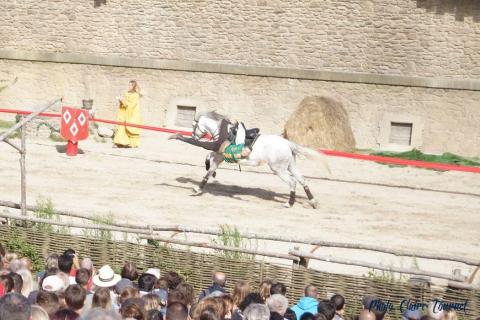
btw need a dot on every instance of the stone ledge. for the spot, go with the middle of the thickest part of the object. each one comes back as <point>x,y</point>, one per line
<point>195,66</point>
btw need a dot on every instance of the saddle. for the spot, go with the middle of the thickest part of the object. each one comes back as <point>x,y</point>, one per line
<point>250,135</point>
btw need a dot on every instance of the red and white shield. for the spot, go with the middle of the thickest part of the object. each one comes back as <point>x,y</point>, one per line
<point>74,124</point>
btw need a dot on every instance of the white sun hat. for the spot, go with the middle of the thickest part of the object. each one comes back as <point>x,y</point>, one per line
<point>154,271</point>
<point>106,277</point>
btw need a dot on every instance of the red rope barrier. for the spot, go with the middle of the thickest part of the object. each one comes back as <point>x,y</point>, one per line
<point>387,160</point>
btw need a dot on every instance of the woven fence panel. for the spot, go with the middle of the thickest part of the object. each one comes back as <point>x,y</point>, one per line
<point>197,268</point>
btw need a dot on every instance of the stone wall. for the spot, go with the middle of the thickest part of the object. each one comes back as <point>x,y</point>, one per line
<point>408,37</point>
<point>447,119</point>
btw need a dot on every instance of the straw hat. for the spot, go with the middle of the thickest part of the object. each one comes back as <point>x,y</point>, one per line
<point>106,277</point>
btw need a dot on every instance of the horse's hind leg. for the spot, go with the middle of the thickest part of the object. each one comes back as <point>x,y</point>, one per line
<point>299,177</point>
<point>287,178</point>
<point>208,160</point>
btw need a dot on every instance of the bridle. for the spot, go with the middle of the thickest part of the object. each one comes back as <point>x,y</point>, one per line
<point>202,131</point>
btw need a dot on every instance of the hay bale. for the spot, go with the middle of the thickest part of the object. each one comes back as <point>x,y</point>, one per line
<point>320,122</point>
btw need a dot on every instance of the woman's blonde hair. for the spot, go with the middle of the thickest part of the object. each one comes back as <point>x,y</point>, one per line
<point>240,291</point>
<point>27,278</point>
<point>152,302</point>
<point>38,313</point>
<point>264,289</point>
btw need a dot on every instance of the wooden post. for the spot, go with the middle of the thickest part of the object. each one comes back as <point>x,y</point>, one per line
<point>23,170</point>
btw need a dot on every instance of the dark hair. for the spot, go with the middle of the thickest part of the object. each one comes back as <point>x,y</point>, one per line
<point>75,296</point>
<point>338,301</point>
<point>290,314</point>
<point>278,288</point>
<point>101,298</point>
<point>277,316</point>
<point>132,310</point>
<point>129,271</point>
<point>176,296</point>
<point>154,315</point>
<point>327,308</point>
<point>7,281</point>
<point>14,306</point>
<point>209,314</point>
<point>187,290</point>
<point>65,314</point>
<point>146,282</point>
<point>253,297</point>
<point>379,314</point>
<point>82,276</point>
<point>173,279</point>
<point>17,282</point>
<point>307,316</point>
<point>69,252</point>
<point>48,301</point>
<point>177,311</point>
<point>65,263</point>
<point>320,316</point>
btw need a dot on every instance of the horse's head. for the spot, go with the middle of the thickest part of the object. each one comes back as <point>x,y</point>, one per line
<point>206,124</point>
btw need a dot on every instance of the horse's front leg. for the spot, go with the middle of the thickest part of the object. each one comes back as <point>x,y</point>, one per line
<point>214,161</point>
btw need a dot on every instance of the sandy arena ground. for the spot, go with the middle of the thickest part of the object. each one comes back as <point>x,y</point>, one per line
<point>153,185</point>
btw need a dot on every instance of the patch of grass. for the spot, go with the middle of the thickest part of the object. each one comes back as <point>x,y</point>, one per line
<point>24,249</point>
<point>7,125</point>
<point>97,233</point>
<point>231,237</point>
<point>46,210</point>
<point>446,158</point>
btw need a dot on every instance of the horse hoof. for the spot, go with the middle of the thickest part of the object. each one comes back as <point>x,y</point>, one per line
<point>287,205</point>
<point>197,191</point>
<point>313,203</point>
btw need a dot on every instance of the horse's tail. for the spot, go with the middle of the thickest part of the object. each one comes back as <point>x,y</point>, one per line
<point>309,154</point>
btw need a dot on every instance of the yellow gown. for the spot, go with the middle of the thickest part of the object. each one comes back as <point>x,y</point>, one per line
<point>129,112</point>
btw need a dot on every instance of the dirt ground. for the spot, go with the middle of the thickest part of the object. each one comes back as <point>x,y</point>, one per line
<point>153,184</point>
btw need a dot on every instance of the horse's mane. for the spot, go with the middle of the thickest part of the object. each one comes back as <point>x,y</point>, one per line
<point>211,115</point>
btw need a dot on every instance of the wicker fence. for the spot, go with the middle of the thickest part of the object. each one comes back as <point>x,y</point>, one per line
<point>197,269</point>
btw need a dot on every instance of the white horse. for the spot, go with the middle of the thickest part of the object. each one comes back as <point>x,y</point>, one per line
<point>277,152</point>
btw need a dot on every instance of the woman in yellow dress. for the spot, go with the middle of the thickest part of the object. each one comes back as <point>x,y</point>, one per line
<point>129,112</point>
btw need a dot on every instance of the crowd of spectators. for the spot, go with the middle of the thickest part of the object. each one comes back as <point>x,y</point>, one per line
<point>70,288</point>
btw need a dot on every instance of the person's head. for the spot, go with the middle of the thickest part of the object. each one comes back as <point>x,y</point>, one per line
<point>277,303</point>
<point>264,289</point>
<point>27,281</point>
<point>132,308</point>
<point>7,282</point>
<point>128,293</point>
<point>246,152</point>
<point>290,315</point>
<point>162,283</point>
<point>411,315</point>
<point>211,305</point>
<point>176,296</point>
<point>146,282</point>
<point>339,302</point>
<point>133,86</point>
<point>173,279</point>
<point>256,311</point>
<point>75,296</point>
<point>17,282</point>
<point>251,298</point>
<point>82,277</point>
<point>15,265</point>
<point>327,308</point>
<point>14,306</point>
<point>102,299</point>
<point>177,311</point>
<point>154,315</point>
<point>87,263</point>
<point>367,301</point>
<point>365,314</point>
<point>53,283</point>
<point>123,284</point>
<point>26,264</point>
<point>51,262</point>
<point>129,271</point>
<point>65,314</point>
<point>101,314</point>
<point>69,252</point>
<point>8,258</point>
<point>278,288</point>
<point>320,316</point>
<point>152,302</point>
<point>187,290</point>
<point>48,301</point>
<point>311,291</point>
<point>38,313</point>
<point>208,314</point>
<point>308,316</point>
<point>219,278</point>
<point>240,291</point>
<point>65,263</point>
